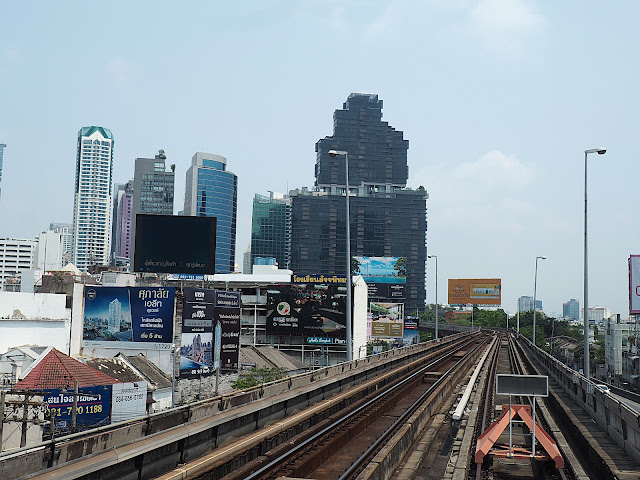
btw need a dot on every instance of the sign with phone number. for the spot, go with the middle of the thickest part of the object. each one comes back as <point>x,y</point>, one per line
<point>93,406</point>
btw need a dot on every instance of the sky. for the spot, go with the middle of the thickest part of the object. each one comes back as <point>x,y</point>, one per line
<point>498,98</point>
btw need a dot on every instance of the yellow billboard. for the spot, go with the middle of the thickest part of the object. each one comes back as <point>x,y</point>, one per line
<point>475,291</point>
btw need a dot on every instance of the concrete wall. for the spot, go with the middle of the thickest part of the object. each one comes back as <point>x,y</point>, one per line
<point>20,305</point>
<point>621,423</point>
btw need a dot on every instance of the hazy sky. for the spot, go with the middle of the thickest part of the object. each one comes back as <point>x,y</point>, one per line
<point>498,99</point>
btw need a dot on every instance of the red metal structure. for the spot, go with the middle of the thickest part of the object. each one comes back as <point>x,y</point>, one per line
<point>486,445</point>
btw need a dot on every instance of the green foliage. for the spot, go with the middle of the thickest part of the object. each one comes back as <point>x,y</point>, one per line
<point>355,266</point>
<point>258,376</point>
<point>401,267</point>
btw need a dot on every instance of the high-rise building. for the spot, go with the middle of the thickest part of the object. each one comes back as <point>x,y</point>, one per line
<point>525,304</point>
<point>571,309</point>
<point>48,252</point>
<point>271,228</point>
<point>66,232</point>
<point>386,218</point>
<point>2,145</point>
<point>153,189</point>
<point>16,256</point>
<point>211,191</point>
<point>122,230</point>
<point>92,199</point>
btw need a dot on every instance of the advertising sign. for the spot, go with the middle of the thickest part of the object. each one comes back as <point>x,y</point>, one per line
<point>634,284</point>
<point>175,244</point>
<point>93,407</point>
<point>387,320</point>
<point>196,356</point>
<point>227,315</point>
<point>411,323</point>
<point>128,401</point>
<point>385,276</point>
<point>483,291</point>
<point>310,310</point>
<point>320,279</point>
<point>128,317</point>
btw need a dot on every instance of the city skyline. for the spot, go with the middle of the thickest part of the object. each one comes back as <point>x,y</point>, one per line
<point>499,100</point>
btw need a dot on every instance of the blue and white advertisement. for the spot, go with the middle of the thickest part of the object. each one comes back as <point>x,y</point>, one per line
<point>93,407</point>
<point>128,317</point>
<point>386,277</point>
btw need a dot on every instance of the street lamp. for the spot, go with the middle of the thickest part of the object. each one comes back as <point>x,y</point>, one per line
<point>436,257</point>
<point>335,153</point>
<point>535,284</point>
<point>599,151</point>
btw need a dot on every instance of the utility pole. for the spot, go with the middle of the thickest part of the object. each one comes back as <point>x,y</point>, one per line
<point>2,402</point>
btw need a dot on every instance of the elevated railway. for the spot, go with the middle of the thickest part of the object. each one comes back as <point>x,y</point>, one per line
<point>387,416</point>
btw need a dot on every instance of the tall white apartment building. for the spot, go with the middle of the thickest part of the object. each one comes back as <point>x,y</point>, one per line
<point>16,255</point>
<point>92,200</point>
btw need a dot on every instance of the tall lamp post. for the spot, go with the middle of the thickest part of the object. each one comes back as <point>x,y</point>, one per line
<point>335,153</point>
<point>535,285</point>
<point>599,151</point>
<point>436,257</point>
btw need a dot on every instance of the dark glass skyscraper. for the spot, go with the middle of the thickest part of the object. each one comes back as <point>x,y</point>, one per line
<point>212,191</point>
<point>386,218</point>
<point>271,228</point>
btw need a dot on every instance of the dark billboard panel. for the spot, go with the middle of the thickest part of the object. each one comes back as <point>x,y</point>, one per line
<point>128,317</point>
<point>310,310</point>
<point>196,347</point>
<point>175,244</point>
<point>227,315</point>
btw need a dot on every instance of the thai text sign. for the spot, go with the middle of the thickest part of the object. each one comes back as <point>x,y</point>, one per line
<point>122,317</point>
<point>93,406</point>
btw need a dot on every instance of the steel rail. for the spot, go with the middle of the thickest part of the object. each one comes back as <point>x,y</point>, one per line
<point>402,418</point>
<point>276,462</point>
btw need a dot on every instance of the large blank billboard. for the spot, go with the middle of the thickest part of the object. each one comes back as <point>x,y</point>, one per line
<point>634,284</point>
<point>175,244</point>
<point>475,291</point>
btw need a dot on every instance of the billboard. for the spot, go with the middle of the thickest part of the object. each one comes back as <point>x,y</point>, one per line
<point>387,320</point>
<point>210,331</point>
<point>175,244</point>
<point>479,291</point>
<point>93,406</point>
<point>128,401</point>
<point>385,276</point>
<point>128,317</point>
<point>315,311</point>
<point>196,347</point>
<point>634,284</point>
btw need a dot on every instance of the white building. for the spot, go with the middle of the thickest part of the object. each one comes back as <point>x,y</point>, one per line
<point>92,199</point>
<point>622,355</point>
<point>597,314</point>
<point>48,252</point>
<point>16,255</point>
<point>66,233</point>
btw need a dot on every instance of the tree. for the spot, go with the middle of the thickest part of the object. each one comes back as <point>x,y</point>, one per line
<point>401,267</point>
<point>355,266</point>
<point>258,376</point>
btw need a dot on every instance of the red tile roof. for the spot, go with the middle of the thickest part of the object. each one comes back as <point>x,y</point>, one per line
<point>58,370</point>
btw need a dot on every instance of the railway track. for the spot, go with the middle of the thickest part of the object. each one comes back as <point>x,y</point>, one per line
<point>363,438</point>
<point>509,359</point>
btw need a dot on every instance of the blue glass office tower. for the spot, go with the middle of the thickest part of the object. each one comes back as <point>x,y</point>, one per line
<point>212,191</point>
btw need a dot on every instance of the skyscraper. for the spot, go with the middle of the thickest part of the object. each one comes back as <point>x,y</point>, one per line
<point>152,190</point>
<point>122,229</point>
<point>271,228</point>
<point>92,199</point>
<point>66,232</point>
<point>386,218</point>
<point>211,191</point>
<point>571,309</point>
<point>2,145</point>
